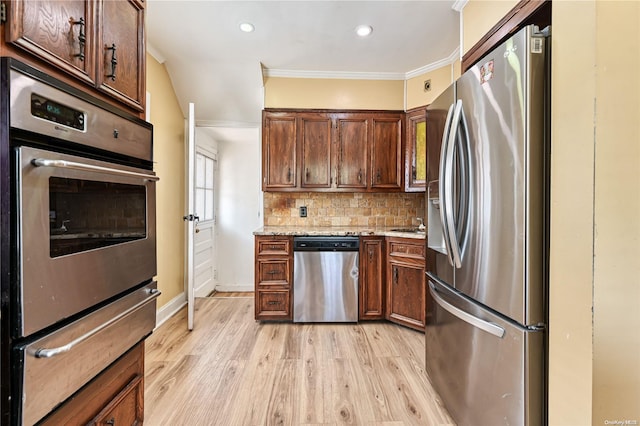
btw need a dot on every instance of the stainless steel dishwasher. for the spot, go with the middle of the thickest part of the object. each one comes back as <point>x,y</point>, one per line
<point>325,279</point>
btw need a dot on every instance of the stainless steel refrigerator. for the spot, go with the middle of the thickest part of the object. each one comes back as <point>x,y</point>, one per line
<point>487,237</point>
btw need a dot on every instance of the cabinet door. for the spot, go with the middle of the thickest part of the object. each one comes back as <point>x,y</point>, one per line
<point>315,144</point>
<point>386,152</point>
<point>371,278</point>
<point>279,151</point>
<point>120,70</point>
<point>352,152</point>
<point>59,31</point>
<point>406,295</point>
<point>415,177</point>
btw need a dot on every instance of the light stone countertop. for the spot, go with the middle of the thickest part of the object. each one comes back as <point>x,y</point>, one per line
<point>386,231</point>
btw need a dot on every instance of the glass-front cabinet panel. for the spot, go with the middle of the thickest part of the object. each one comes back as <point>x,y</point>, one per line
<point>416,150</point>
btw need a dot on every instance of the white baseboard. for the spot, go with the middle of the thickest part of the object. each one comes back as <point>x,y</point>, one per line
<point>170,309</point>
<point>222,287</point>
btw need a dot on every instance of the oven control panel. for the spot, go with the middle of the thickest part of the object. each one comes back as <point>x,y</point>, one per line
<point>55,112</point>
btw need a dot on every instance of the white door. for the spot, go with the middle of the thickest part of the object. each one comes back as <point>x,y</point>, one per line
<point>204,238</point>
<point>191,218</point>
<point>201,169</point>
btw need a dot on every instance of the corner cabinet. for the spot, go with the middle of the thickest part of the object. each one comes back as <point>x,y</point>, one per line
<point>406,292</point>
<point>371,279</point>
<point>99,43</point>
<point>332,150</point>
<point>273,278</point>
<point>415,167</point>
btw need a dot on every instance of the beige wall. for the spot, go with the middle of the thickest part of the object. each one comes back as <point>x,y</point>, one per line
<point>168,153</point>
<point>571,251</point>
<point>333,93</point>
<point>616,212</point>
<point>594,343</point>
<point>479,17</point>
<point>440,78</point>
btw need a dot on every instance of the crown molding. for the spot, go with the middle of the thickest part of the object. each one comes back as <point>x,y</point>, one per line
<point>156,55</point>
<point>345,75</point>
<point>454,56</point>
<point>458,5</point>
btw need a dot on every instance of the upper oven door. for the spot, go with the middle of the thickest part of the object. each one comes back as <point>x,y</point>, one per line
<point>87,232</point>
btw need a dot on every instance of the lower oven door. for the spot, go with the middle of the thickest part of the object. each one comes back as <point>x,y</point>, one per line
<point>58,364</point>
<point>87,232</point>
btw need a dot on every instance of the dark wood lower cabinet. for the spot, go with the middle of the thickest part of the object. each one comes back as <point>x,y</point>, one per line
<point>391,279</point>
<point>371,281</point>
<point>114,397</point>
<point>273,277</point>
<point>406,292</point>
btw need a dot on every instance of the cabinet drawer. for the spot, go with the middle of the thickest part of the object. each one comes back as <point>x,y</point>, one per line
<point>273,247</point>
<point>407,249</point>
<point>273,272</point>
<point>273,305</point>
<point>126,408</point>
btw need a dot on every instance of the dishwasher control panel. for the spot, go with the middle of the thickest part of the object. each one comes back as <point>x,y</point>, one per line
<point>326,243</point>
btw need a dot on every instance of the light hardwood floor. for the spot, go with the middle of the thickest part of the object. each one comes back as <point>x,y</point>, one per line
<point>232,370</point>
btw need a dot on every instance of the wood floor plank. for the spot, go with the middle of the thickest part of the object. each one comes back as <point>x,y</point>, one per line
<point>233,370</point>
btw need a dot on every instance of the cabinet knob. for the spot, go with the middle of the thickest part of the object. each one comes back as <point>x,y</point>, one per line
<point>111,421</point>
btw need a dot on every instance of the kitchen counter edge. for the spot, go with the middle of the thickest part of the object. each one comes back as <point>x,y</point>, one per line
<point>337,231</point>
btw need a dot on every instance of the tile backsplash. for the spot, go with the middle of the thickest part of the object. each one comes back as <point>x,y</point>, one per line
<point>343,209</point>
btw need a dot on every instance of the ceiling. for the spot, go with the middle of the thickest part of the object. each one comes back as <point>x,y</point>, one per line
<point>219,68</point>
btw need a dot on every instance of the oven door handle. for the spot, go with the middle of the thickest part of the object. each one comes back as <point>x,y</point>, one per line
<point>48,353</point>
<point>43,162</point>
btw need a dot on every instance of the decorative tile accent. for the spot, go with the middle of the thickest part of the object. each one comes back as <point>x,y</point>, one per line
<point>343,209</point>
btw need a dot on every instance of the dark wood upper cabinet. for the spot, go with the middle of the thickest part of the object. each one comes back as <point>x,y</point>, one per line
<point>315,145</point>
<point>279,151</point>
<point>331,150</point>
<point>386,152</point>
<point>352,136</point>
<point>121,61</point>
<point>95,45</point>
<point>60,32</point>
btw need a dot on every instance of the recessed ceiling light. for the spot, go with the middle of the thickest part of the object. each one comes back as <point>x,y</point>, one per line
<point>247,27</point>
<point>363,30</point>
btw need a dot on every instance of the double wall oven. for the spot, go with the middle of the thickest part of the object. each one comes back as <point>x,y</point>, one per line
<point>78,250</point>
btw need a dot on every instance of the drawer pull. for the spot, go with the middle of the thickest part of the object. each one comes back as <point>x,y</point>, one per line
<point>273,272</point>
<point>273,302</point>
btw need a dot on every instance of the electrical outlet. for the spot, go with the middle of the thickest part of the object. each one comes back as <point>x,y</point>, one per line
<point>427,85</point>
<point>303,211</point>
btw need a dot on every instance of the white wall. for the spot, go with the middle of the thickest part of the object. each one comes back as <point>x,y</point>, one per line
<point>238,205</point>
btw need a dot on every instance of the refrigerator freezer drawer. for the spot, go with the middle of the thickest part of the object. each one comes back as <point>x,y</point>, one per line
<point>482,378</point>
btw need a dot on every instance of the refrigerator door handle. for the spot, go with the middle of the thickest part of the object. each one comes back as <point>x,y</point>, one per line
<point>444,149</point>
<point>483,325</point>
<point>449,222</point>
